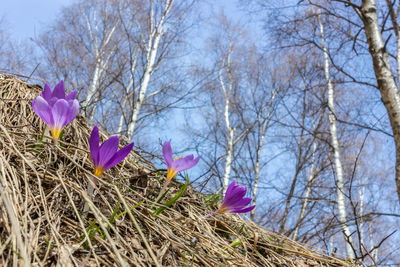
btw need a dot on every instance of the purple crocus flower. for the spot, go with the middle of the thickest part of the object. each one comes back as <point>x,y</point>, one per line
<point>106,156</point>
<point>58,93</point>
<point>234,201</point>
<point>178,164</point>
<point>56,115</point>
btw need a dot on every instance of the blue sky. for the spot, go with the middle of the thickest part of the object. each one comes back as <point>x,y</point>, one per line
<point>26,17</point>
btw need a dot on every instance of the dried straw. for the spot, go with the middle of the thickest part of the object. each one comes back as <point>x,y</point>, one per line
<point>44,191</point>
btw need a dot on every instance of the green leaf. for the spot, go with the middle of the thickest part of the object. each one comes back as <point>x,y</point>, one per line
<point>94,228</point>
<point>174,199</point>
<point>91,230</point>
<point>212,200</point>
<point>61,135</point>
<point>162,197</point>
<point>122,213</point>
<point>235,243</point>
<point>113,218</point>
<point>241,229</point>
<point>42,136</point>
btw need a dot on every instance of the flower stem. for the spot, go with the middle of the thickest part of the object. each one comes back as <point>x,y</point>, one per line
<point>162,191</point>
<point>210,215</point>
<point>90,192</point>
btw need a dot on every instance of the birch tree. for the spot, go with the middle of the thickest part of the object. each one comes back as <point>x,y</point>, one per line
<point>101,30</point>
<point>340,190</point>
<point>312,175</point>
<point>267,87</point>
<point>123,55</point>
<point>227,93</point>
<point>357,99</point>
<point>385,77</point>
<point>226,87</point>
<point>81,48</point>
<point>310,182</point>
<point>233,135</point>
<point>308,121</point>
<point>377,24</point>
<point>262,122</point>
<point>154,32</point>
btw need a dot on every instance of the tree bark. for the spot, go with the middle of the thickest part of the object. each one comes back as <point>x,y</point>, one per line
<point>341,205</point>
<point>101,62</point>
<point>310,182</point>
<point>259,147</point>
<point>157,31</point>
<point>361,194</point>
<point>231,131</point>
<point>384,75</point>
<point>129,87</point>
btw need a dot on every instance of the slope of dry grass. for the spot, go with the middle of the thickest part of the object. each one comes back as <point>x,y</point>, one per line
<point>43,195</point>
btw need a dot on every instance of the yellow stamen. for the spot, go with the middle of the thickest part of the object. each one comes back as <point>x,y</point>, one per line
<point>55,133</point>
<point>98,171</point>
<point>175,159</point>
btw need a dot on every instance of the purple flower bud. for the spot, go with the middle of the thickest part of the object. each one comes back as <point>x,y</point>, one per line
<point>234,201</point>
<point>51,97</point>
<point>106,156</point>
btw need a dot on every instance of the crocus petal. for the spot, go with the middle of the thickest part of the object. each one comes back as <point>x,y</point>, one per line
<point>187,163</point>
<point>230,188</point>
<point>46,93</point>
<point>243,210</point>
<point>59,90</point>
<point>181,163</point>
<point>234,201</point>
<point>60,113</point>
<point>43,110</point>
<point>239,190</point>
<point>241,202</point>
<point>94,145</point>
<point>167,153</point>
<point>73,106</point>
<point>118,157</point>
<point>107,150</point>
<point>236,194</point>
<point>71,96</point>
<point>52,101</point>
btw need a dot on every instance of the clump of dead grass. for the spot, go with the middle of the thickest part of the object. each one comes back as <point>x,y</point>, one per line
<point>43,193</point>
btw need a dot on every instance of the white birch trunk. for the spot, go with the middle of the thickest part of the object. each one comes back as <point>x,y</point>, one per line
<point>258,153</point>
<point>331,246</point>
<point>361,193</point>
<point>256,176</point>
<point>156,33</point>
<point>310,182</point>
<point>90,98</point>
<point>127,92</point>
<point>342,215</point>
<point>393,17</point>
<point>371,242</point>
<point>122,116</point>
<point>228,160</point>
<point>229,129</point>
<point>101,62</point>
<point>386,82</point>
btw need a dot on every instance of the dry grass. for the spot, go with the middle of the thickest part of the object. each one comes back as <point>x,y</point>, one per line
<point>43,194</point>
